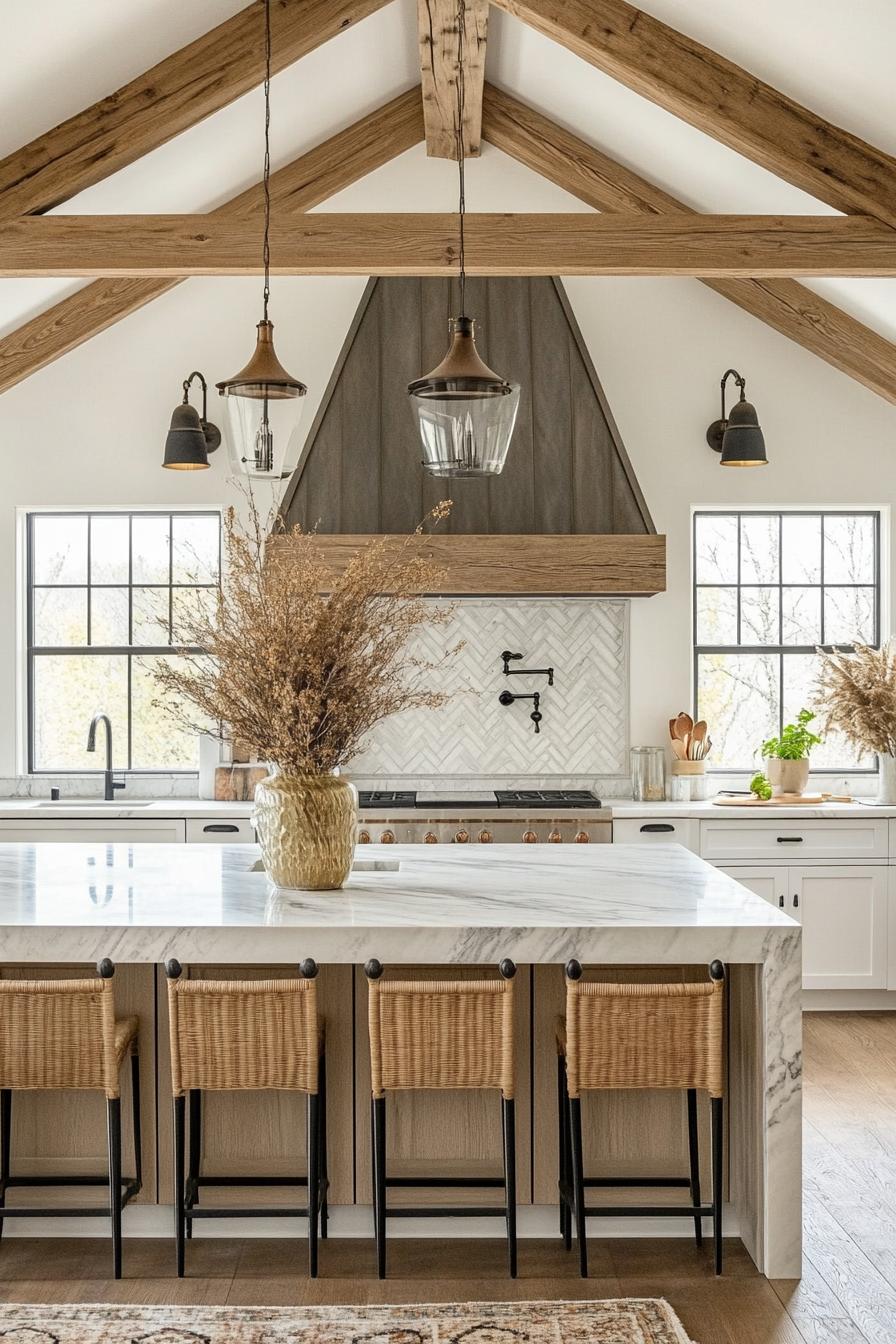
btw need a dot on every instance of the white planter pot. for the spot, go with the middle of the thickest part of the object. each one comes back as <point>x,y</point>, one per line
<point>788,776</point>
<point>886,781</point>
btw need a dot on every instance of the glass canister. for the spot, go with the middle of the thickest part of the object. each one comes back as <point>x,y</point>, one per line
<point>648,774</point>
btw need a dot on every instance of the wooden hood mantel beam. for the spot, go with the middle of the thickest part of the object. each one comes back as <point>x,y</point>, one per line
<point>426,244</point>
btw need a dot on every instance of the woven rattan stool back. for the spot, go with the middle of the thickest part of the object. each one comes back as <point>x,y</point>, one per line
<point>58,1033</point>
<point>441,1033</point>
<point>235,1035</point>
<point>642,1035</point>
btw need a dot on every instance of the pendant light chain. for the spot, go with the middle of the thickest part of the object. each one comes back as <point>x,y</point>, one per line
<point>462,201</point>
<point>267,156</point>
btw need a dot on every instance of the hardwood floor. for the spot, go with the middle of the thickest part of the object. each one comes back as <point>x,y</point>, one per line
<point>847,1294</point>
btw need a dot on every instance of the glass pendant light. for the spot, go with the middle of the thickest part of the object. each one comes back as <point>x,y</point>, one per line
<point>465,412</point>
<point>264,402</point>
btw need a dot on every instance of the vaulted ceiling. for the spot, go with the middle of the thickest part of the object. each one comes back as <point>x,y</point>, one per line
<point>60,59</point>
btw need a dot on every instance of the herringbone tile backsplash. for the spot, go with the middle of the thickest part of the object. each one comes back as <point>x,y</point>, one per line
<point>584,731</point>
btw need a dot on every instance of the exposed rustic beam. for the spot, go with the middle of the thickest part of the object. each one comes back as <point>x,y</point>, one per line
<point>415,244</point>
<point>633,564</point>
<point>722,99</point>
<point>304,183</point>
<point>181,90</point>
<point>786,305</point>
<point>439,52</point>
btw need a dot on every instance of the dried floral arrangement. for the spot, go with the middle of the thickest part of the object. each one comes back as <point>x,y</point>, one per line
<point>856,693</point>
<point>300,663</point>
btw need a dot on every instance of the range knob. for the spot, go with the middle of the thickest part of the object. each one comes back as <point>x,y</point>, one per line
<point>530,838</point>
<point>363,837</point>
<point>430,838</point>
<point>555,838</point>
<point>462,838</point>
<point>485,837</point>
<point>387,838</point>
<point>583,838</point>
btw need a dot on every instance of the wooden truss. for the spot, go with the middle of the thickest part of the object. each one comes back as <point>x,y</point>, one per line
<point>641,230</point>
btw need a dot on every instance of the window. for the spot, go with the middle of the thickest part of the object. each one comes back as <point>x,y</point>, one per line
<point>107,594</point>
<point>769,588</point>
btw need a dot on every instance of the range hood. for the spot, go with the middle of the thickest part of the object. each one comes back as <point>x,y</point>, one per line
<point>565,516</point>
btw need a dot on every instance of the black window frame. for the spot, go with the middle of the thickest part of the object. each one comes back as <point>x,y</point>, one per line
<point>130,651</point>
<point>782,650</point>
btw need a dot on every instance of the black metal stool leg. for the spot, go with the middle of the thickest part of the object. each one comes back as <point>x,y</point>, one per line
<point>179,1109</point>
<point>313,1180</point>
<point>113,1115</point>
<point>578,1180</point>
<point>694,1154</point>
<point>5,1144</point>
<point>135,1114</point>
<point>563,1163</point>
<point>509,1118</point>
<point>716,1104</point>
<point>379,1182</point>
<point>192,1197</point>
<point>324,1169</point>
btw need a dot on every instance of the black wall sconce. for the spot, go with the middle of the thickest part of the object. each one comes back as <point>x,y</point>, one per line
<point>508,697</point>
<point>507,658</point>
<point>738,437</point>
<point>190,436</point>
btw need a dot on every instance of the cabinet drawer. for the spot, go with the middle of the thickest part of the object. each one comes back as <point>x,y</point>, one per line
<point>222,831</point>
<point>793,841</point>
<point>92,830</point>
<point>657,831</point>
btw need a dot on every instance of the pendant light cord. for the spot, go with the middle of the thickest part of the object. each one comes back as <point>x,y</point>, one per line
<point>462,201</point>
<point>267,156</point>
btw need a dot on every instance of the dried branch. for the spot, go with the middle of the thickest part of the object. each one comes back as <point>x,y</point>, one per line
<point>857,696</point>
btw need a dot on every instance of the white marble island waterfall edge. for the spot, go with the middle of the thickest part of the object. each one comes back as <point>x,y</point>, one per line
<point>603,904</point>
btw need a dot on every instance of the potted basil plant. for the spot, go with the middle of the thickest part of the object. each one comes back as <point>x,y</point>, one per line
<point>788,756</point>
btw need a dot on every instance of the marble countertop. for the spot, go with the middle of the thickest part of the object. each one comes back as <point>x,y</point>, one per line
<point>710,811</point>
<point>603,903</point>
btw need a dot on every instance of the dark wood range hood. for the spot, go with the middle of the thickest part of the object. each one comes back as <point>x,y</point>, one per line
<point>565,516</point>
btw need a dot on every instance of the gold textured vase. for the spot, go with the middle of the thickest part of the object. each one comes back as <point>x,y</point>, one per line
<point>306,829</point>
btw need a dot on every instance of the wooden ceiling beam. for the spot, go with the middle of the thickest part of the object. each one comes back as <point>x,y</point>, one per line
<point>306,182</point>
<point>717,246</point>
<point>793,310</point>
<point>721,99</point>
<point>174,95</point>
<point>439,54</point>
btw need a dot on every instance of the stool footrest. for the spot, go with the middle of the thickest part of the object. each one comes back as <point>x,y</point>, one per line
<point>650,1211</point>
<point>448,1182</point>
<point>270,1211</point>
<point>472,1211</point>
<point>620,1182</point>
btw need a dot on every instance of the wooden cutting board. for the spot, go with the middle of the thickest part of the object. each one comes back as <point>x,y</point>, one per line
<point>786,800</point>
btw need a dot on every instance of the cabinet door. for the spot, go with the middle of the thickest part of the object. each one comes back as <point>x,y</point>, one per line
<point>843,912</point>
<point>767,880</point>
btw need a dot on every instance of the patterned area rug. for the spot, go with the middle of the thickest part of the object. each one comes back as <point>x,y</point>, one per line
<point>620,1321</point>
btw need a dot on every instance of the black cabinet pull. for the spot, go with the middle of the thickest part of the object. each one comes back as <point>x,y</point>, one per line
<point>796,900</point>
<point>652,827</point>
<point>221,828</point>
<point>781,900</point>
<point>790,839</point>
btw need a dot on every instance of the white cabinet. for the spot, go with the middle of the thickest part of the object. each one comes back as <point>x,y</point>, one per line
<point>794,841</point>
<point>94,830</point>
<point>768,881</point>
<point>657,831</point>
<point>226,831</point>
<point>843,911</point>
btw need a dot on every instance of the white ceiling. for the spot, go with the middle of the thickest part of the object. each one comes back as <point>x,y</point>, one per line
<point>60,57</point>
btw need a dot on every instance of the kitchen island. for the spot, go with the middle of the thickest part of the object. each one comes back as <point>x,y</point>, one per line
<point>609,906</point>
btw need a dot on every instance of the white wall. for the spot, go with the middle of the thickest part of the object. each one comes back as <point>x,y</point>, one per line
<point>89,430</point>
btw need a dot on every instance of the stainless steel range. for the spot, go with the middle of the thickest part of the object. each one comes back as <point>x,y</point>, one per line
<point>505,816</point>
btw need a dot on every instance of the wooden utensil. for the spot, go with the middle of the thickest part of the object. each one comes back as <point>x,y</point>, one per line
<point>698,734</point>
<point>678,749</point>
<point>683,725</point>
<point>672,723</point>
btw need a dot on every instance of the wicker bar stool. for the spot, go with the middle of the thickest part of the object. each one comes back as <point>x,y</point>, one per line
<point>246,1035</point>
<point>64,1034</point>
<point>450,1034</point>
<point>618,1036</point>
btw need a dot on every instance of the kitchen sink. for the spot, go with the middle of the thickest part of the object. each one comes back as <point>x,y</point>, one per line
<point>92,803</point>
